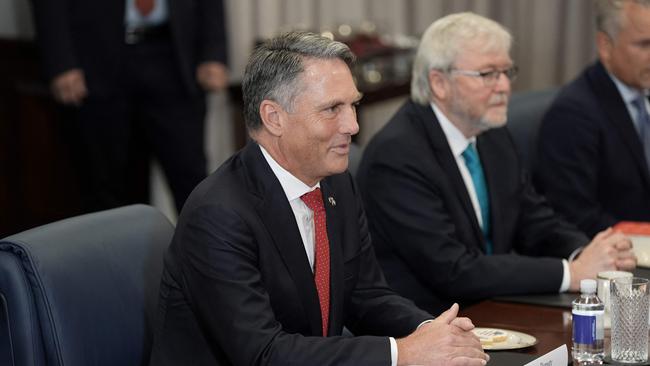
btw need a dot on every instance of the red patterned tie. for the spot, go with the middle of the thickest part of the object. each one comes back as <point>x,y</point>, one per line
<point>144,6</point>
<point>314,200</point>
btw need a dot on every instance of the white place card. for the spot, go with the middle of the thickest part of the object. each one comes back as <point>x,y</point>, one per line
<point>557,357</point>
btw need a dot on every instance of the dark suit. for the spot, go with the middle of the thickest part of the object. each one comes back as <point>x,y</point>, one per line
<point>591,164</point>
<point>424,228</point>
<point>90,35</point>
<point>237,287</point>
<point>146,90</point>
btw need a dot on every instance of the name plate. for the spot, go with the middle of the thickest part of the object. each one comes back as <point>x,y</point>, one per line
<point>557,357</point>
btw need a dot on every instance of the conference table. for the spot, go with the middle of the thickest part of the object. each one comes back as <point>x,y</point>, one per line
<point>551,326</point>
<point>547,317</point>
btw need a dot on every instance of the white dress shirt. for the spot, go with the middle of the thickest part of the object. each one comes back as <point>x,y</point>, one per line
<point>629,95</point>
<point>133,18</point>
<point>458,143</point>
<point>294,188</point>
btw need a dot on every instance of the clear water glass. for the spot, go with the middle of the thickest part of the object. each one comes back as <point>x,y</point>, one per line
<point>630,301</point>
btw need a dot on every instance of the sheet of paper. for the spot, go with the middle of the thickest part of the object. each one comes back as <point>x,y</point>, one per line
<point>557,357</point>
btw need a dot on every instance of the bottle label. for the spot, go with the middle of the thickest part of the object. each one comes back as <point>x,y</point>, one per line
<point>587,326</point>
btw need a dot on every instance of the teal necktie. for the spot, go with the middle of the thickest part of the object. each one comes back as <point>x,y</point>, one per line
<point>480,186</point>
<point>643,119</point>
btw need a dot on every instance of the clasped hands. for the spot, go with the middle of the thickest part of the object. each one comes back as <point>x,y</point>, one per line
<point>447,340</point>
<point>609,250</point>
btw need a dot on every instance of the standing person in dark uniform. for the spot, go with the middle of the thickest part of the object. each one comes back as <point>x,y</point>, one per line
<point>134,65</point>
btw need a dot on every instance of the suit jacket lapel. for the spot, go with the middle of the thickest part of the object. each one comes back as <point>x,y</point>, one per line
<point>447,161</point>
<point>619,116</point>
<point>335,237</point>
<point>276,213</point>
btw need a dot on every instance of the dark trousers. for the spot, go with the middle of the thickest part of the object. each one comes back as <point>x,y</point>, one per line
<point>148,111</point>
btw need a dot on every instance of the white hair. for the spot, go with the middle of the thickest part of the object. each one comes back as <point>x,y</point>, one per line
<point>445,39</point>
<point>609,13</point>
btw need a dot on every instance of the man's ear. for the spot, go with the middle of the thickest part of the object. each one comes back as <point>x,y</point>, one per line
<point>273,116</point>
<point>604,44</point>
<point>439,85</point>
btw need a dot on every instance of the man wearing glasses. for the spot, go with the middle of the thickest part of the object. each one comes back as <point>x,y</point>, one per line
<point>451,212</point>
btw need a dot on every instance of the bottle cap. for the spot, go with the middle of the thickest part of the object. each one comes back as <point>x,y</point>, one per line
<point>588,286</point>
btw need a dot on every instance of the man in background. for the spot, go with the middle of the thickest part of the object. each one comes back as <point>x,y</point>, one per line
<point>271,257</point>
<point>451,211</point>
<point>132,68</point>
<point>594,142</point>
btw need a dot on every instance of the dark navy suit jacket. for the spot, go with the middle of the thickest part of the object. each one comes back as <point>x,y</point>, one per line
<point>424,228</point>
<point>591,164</point>
<point>237,287</point>
<point>90,35</point>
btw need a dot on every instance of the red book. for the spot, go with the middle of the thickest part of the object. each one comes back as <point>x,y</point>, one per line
<point>634,227</point>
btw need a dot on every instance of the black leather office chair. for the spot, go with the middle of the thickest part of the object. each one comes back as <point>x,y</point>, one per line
<point>82,291</point>
<point>525,113</point>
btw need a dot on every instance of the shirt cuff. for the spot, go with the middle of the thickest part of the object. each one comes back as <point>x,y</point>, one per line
<point>566,276</point>
<point>393,345</point>
<point>393,351</point>
<point>575,254</point>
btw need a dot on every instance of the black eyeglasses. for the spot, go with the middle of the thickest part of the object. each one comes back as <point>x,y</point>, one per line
<point>491,77</point>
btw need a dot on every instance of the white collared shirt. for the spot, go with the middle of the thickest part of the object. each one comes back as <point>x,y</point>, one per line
<point>294,188</point>
<point>133,18</point>
<point>458,143</point>
<point>629,95</point>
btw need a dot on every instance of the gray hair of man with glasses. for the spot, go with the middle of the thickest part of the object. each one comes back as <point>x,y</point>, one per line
<point>274,68</point>
<point>445,40</point>
<point>609,15</point>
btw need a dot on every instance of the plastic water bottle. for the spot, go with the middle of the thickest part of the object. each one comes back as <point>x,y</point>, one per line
<point>588,326</point>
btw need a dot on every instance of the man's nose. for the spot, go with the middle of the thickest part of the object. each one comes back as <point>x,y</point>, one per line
<point>503,84</point>
<point>350,125</point>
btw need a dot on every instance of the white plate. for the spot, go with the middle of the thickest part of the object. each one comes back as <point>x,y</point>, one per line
<point>514,340</point>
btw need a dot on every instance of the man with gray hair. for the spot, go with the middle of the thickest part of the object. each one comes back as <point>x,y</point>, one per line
<point>451,212</point>
<point>594,143</point>
<point>272,258</point>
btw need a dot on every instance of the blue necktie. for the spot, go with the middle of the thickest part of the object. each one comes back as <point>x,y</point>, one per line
<point>643,119</point>
<point>480,186</point>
